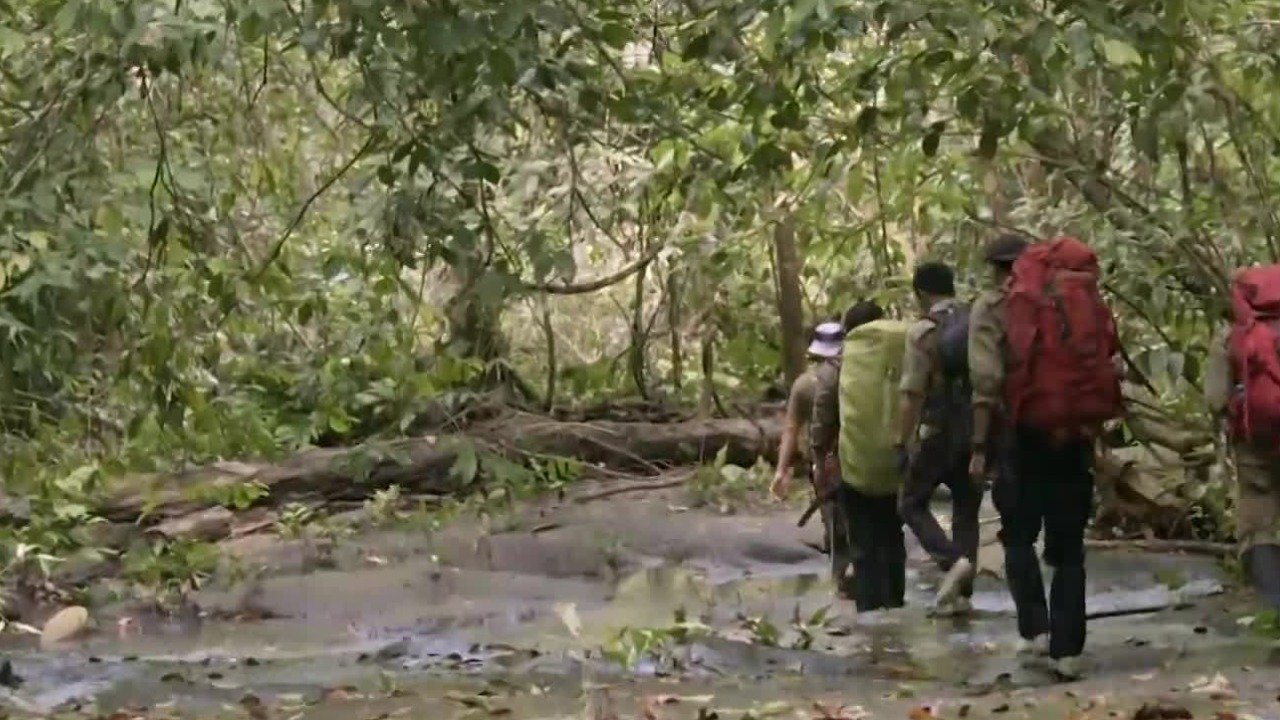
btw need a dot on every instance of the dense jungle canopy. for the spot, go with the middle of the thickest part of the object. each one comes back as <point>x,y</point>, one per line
<point>235,229</point>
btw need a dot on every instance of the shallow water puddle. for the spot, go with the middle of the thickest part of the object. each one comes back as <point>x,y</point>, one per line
<point>741,635</point>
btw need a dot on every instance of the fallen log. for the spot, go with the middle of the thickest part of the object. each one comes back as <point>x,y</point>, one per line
<point>424,464</point>
<point>634,487</point>
<point>1198,547</point>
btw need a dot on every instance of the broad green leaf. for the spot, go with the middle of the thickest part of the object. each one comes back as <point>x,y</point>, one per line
<point>466,464</point>
<point>11,41</point>
<point>1119,52</point>
<point>616,35</point>
<point>698,47</point>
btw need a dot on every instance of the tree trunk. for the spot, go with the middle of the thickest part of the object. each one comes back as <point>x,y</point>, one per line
<point>639,337</point>
<point>673,323</point>
<point>790,307</point>
<point>426,464</point>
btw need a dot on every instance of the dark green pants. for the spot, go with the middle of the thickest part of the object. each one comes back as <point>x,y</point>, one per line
<point>866,532</point>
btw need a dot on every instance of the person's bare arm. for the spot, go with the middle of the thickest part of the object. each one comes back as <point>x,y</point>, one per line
<point>786,453</point>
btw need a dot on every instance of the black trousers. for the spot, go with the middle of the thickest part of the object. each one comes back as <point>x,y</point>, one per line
<point>867,533</point>
<point>932,466</point>
<point>1046,485</point>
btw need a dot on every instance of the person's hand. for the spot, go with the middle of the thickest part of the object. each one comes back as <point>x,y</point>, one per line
<point>978,466</point>
<point>903,458</point>
<point>781,484</point>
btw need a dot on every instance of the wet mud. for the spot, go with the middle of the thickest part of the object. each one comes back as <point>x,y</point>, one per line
<point>639,606</point>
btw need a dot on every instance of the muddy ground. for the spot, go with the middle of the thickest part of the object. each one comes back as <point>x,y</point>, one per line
<point>526,613</point>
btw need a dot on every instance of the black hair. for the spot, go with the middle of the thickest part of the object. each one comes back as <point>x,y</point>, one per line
<point>934,278</point>
<point>861,313</point>
<point>1004,250</point>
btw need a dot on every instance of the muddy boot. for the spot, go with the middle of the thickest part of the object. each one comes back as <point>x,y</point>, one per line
<point>1067,612</point>
<point>1262,562</point>
<point>958,578</point>
<point>1022,568</point>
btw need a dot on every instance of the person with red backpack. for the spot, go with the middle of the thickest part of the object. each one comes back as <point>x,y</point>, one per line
<point>1242,382</point>
<point>1042,366</point>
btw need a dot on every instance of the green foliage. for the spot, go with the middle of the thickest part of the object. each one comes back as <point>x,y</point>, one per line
<point>806,629</point>
<point>233,496</point>
<point>762,629</point>
<point>294,519</point>
<point>383,507</point>
<point>721,484</point>
<point>630,646</point>
<point>1267,624</point>
<point>236,229</point>
<point>171,567</point>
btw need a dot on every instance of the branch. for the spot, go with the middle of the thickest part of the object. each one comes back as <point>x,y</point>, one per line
<point>1200,547</point>
<point>306,206</point>
<point>598,284</point>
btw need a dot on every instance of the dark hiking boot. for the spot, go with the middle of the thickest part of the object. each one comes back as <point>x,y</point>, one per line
<point>1263,565</point>
<point>1026,585</point>
<point>954,583</point>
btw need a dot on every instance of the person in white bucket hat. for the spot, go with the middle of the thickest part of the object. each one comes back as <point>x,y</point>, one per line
<point>825,347</point>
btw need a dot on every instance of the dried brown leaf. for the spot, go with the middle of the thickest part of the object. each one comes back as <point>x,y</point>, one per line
<point>923,712</point>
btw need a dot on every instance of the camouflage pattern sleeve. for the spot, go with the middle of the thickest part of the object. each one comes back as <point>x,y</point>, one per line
<point>825,430</point>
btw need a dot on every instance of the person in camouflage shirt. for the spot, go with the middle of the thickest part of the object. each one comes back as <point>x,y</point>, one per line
<point>824,347</point>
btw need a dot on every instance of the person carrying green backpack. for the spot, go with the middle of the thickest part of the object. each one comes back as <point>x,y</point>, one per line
<point>853,430</point>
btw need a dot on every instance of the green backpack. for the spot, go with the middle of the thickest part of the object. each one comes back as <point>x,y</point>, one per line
<point>870,371</point>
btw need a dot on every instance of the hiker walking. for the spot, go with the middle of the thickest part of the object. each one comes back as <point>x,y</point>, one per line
<point>1042,365</point>
<point>933,442</point>
<point>853,421</point>
<point>1243,384</point>
<point>824,346</point>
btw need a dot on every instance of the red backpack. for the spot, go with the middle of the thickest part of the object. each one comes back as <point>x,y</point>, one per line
<point>1061,336</point>
<point>1255,360</point>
